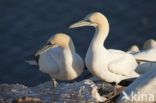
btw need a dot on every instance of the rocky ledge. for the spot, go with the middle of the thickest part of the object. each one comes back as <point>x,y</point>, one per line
<point>84,91</point>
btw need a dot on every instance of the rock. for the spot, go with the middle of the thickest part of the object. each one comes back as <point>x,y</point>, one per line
<point>84,91</point>
<point>142,90</point>
<point>15,92</point>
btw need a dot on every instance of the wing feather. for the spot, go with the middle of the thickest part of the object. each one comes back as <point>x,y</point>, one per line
<point>123,64</point>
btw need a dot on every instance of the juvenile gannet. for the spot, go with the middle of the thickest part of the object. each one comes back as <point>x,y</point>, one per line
<point>59,59</point>
<point>107,64</point>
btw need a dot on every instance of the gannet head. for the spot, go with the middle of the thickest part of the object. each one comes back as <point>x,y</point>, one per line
<point>93,19</point>
<point>59,39</point>
<point>150,43</point>
<point>63,40</point>
<point>134,48</point>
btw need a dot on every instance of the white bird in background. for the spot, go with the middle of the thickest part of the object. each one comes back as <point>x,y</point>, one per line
<point>143,67</point>
<point>133,49</point>
<point>150,43</point>
<point>148,53</point>
<point>59,59</point>
<point>107,64</point>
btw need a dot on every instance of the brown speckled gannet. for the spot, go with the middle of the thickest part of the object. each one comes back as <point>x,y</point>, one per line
<point>59,59</point>
<point>107,64</point>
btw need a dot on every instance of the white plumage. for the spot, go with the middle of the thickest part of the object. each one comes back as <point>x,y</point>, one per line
<point>59,58</point>
<point>107,64</point>
<point>61,64</point>
<point>148,53</point>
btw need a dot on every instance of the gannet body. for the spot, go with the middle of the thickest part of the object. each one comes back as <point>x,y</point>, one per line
<point>107,64</point>
<point>59,58</point>
<point>143,67</point>
<point>148,53</point>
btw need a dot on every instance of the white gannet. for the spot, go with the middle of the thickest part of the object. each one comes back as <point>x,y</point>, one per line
<point>143,67</point>
<point>107,64</point>
<point>150,43</point>
<point>59,59</point>
<point>133,48</point>
<point>148,54</point>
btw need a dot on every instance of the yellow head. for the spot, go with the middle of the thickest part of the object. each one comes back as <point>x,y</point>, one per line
<point>150,43</point>
<point>93,19</point>
<point>59,39</point>
<point>134,48</point>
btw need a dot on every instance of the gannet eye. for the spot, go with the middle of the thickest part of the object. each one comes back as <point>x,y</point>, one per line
<point>49,43</point>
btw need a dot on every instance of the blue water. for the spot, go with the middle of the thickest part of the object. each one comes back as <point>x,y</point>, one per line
<point>25,25</point>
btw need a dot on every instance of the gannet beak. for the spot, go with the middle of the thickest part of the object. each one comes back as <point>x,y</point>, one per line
<point>44,49</point>
<point>80,24</point>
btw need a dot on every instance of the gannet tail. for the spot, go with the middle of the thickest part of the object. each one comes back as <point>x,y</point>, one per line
<point>31,62</point>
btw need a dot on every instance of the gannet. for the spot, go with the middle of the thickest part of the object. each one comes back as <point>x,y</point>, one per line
<point>59,59</point>
<point>133,48</point>
<point>107,64</point>
<point>148,53</point>
<point>143,67</point>
<point>150,43</point>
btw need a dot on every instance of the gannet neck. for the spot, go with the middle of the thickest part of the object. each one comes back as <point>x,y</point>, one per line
<point>101,33</point>
<point>67,53</point>
<point>69,47</point>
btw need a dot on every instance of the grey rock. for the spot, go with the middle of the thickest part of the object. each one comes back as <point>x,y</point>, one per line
<point>84,91</point>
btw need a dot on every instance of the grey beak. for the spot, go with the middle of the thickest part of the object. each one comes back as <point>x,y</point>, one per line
<point>80,24</point>
<point>44,49</point>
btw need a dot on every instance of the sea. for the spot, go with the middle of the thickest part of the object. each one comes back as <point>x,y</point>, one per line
<point>26,25</point>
